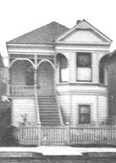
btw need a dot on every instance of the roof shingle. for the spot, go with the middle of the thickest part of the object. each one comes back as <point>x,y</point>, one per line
<point>44,35</point>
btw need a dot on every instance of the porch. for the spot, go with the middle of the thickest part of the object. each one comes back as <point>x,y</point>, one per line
<point>104,135</point>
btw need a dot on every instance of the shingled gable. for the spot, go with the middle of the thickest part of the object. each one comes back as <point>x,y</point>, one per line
<point>44,35</point>
<point>84,26</point>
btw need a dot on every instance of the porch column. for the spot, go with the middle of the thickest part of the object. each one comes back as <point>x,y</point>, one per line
<point>35,89</point>
<point>35,73</point>
<point>35,78</point>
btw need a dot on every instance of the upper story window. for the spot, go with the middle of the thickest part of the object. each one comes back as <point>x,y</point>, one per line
<point>83,65</point>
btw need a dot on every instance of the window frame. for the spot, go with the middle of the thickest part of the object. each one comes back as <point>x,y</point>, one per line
<point>81,114</point>
<point>83,53</point>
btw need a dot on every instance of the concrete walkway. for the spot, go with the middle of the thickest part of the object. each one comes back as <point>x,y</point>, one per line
<point>57,150</point>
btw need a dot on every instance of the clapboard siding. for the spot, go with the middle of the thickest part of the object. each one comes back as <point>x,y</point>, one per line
<point>83,88</point>
<point>103,108</point>
<point>45,79</point>
<point>22,106</point>
<point>64,102</point>
<point>83,100</point>
<point>70,108</point>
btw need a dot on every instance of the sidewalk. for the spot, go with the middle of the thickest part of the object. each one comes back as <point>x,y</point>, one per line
<point>57,150</point>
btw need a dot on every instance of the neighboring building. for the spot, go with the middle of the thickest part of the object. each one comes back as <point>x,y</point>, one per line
<point>57,75</point>
<point>3,83</point>
<point>110,64</point>
<point>5,110</point>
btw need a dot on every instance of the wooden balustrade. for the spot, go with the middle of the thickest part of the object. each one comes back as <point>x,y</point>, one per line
<point>21,90</point>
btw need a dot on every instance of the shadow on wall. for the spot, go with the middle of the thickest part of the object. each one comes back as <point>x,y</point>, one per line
<point>111,73</point>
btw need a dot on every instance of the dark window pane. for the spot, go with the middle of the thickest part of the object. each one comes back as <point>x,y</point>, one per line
<point>84,119</point>
<point>85,109</point>
<point>84,114</point>
<point>83,60</point>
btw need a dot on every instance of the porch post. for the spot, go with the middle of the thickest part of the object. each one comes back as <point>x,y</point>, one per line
<point>35,91</point>
<point>39,133</point>
<point>35,72</point>
<point>35,78</point>
<point>67,133</point>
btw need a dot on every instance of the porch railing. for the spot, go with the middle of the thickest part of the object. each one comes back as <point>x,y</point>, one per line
<point>21,90</point>
<point>67,135</point>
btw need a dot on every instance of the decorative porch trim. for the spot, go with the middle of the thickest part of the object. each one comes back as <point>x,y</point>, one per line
<point>46,60</point>
<point>22,59</point>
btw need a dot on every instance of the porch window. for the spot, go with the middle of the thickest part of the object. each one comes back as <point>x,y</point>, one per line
<point>84,114</point>
<point>83,64</point>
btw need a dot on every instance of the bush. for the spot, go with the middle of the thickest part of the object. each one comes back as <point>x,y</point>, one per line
<point>8,139</point>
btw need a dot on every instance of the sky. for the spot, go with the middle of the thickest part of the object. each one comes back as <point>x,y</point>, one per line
<point>18,17</point>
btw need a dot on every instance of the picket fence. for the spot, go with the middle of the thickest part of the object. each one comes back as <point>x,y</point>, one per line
<point>66,135</point>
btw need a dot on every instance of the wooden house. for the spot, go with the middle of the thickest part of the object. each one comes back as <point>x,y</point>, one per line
<point>57,75</point>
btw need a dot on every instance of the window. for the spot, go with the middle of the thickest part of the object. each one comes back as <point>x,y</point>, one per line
<point>84,114</point>
<point>84,67</point>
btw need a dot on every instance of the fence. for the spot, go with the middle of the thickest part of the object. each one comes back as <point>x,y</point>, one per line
<point>66,135</point>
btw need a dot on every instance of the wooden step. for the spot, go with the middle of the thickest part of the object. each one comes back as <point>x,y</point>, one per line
<point>49,114</point>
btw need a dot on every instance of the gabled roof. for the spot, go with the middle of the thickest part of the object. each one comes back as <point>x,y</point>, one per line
<point>44,35</point>
<point>81,26</point>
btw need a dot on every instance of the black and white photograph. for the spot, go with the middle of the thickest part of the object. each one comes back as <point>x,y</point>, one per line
<point>57,81</point>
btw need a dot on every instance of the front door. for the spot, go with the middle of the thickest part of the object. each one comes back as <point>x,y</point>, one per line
<point>45,79</point>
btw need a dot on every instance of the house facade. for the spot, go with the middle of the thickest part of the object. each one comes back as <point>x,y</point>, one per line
<point>57,75</point>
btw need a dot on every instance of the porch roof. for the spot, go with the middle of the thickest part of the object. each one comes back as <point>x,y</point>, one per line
<point>44,35</point>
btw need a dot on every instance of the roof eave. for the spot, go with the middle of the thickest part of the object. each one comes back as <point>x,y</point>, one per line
<point>29,45</point>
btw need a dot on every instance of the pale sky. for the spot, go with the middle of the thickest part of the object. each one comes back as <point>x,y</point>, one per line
<point>18,17</point>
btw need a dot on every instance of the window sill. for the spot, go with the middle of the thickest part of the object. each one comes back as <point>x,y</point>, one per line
<point>82,83</point>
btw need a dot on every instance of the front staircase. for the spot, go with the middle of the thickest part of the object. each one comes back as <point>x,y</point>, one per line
<point>49,113</point>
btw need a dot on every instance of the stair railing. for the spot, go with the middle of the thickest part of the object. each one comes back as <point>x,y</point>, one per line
<point>59,110</point>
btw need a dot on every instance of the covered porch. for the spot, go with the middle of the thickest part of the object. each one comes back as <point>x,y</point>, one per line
<point>26,78</point>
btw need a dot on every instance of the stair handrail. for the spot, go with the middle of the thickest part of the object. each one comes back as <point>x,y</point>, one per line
<point>59,110</point>
<point>37,106</point>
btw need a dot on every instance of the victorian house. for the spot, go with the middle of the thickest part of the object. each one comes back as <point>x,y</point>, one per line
<point>57,75</point>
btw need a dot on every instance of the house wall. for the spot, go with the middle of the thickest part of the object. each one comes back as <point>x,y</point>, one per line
<point>71,96</point>
<point>70,108</point>
<point>22,107</point>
